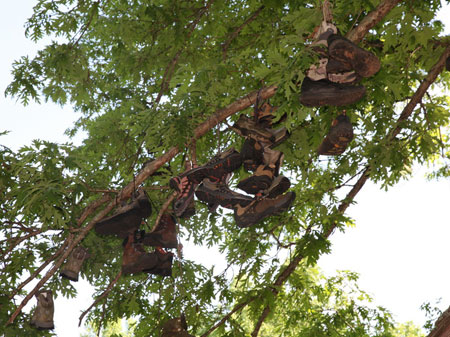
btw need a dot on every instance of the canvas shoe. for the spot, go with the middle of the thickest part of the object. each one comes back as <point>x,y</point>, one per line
<point>362,61</point>
<point>164,234</point>
<point>73,266</point>
<point>338,138</point>
<point>220,194</point>
<point>42,318</point>
<point>262,208</point>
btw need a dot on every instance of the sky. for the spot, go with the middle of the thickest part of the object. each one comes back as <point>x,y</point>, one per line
<point>398,246</point>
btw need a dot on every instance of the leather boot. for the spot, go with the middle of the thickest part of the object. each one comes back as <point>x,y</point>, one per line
<point>220,194</point>
<point>128,218</point>
<point>135,259</point>
<point>338,138</point>
<point>252,154</point>
<point>43,314</point>
<point>73,266</point>
<point>164,234</point>
<point>247,127</point>
<point>163,265</point>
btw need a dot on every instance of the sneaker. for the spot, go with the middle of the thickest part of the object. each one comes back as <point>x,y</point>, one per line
<point>260,180</point>
<point>163,266</point>
<point>362,61</point>
<point>247,127</point>
<point>262,208</point>
<point>183,205</point>
<point>128,218</point>
<point>220,194</point>
<point>338,138</point>
<point>73,266</point>
<point>324,92</point>
<point>252,153</point>
<point>42,318</point>
<point>164,234</point>
<point>222,164</point>
<point>279,185</point>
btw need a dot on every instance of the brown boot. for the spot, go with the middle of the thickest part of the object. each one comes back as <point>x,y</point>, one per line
<point>338,138</point>
<point>163,266</point>
<point>43,314</point>
<point>220,194</point>
<point>73,265</point>
<point>252,153</point>
<point>279,185</point>
<point>135,259</point>
<point>128,218</point>
<point>262,208</point>
<point>164,234</point>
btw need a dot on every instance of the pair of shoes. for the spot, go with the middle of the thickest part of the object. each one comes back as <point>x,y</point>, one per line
<point>136,260</point>
<point>346,64</point>
<point>42,318</point>
<point>127,218</point>
<point>73,266</point>
<point>338,138</point>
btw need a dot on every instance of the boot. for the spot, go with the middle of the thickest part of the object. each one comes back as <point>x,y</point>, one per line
<point>43,314</point>
<point>164,234</point>
<point>324,92</point>
<point>175,327</point>
<point>135,259</point>
<point>279,185</point>
<point>128,218</point>
<point>261,208</point>
<point>260,180</point>
<point>220,194</point>
<point>163,265</point>
<point>362,61</point>
<point>338,138</point>
<point>73,265</point>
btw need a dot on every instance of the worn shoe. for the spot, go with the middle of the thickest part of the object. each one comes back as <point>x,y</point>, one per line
<point>183,205</point>
<point>164,234</point>
<point>260,180</point>
<point>220,194</point>
<point>362,61</point>
<point>261,208</point>
<point>175,327</point>
<point>135,259</point>
<point>252,154</point>
<point>128,218</point>
<point>163,266</point>
<point>338,138</point>
<point>324,92</point>
<point>279,185</point>
<point>43,314</point>
<point>264,115</point>
<point>73,266</point>
<point>247,127</point>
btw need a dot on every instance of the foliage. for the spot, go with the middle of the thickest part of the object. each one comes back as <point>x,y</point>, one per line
<point>143,75</point>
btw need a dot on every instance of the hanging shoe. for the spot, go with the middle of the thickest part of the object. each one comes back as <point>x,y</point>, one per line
<point>260,180</point>
<point>183,205</point>
<point>324,92</point>
<point>265,114</point>
<point>175,327</point>
<point>163,265</point>
<point>135,259</point>
<point>252,153</point>
<point>128,218</point>
<point>247,127</point>
<point>362,61</point>
<point>279,185</point>
<point>43,314</point>
<point>73,266</point>
<point>220,194</point>
<point>164,234</point>
<point>262,208</point>
<point>338,138</point>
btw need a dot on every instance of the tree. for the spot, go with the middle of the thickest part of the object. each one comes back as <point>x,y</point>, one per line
<point>158,83</point>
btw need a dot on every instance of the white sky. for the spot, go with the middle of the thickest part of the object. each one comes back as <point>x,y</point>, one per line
<point>399,244</point>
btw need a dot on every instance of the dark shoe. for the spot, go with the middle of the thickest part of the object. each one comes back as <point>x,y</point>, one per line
<point>135,259</point>
<point>43,314</point>
<point>128,218</point>
<point>183,205</point>
<point>252,153</point>
<point>175,327</point>
<point>279,185</point>
<point>220,194</point>
<point>163,266</point>
<point>265,115</point>
<point>164,234</point>
<point>324,92</point>
<point>362,61</point>
<point>261,208</point>
<point>260,180</point>
<point>73,266</point>
<point>338,138</point>
<point>247,127</point>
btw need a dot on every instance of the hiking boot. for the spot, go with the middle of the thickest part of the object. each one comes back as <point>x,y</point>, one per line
<point>265,114</point>
<point>341,72</point>
<point>73,265</point>
<point>43,314</point>
<point>175,327</point>
<point>220,194</point>
<point>222,164</point>
<point>135,259</point>
<point>183,205</point>
<point>128,218</point>
<point>261,208</point>
<point>247,127</point>
<point>260,180</point>
<point>324,92</point>
<point>163,266</point>
<point>252,153</point>
<point>279,185</point>
<point>164,234</point>
<point>273,158</point>
<point>338,138</point>
<point>362,61</point>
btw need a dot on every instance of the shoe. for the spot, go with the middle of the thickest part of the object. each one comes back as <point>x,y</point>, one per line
<point>42,318</point>
<point>247,127</point>
<point>135,259</point>
<point>189,210</point>
<point>163,266</point>
<point>220,194</point>
<point>252,153</point>
<point>362,61</point>
<point>175,327</point>
<point>265,116</point>
<point>222,164</point>
<point>73,266</point>
<point>262,208</point>
<point>183,205</point>
<point>164,234</point>
<point>128,218</point>
<point>324,92</point>
<point>260,180</point>
<point>279,185</point>
<point>338,138</point>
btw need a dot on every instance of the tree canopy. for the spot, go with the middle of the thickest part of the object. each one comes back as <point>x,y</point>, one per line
<point>160,83</point>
